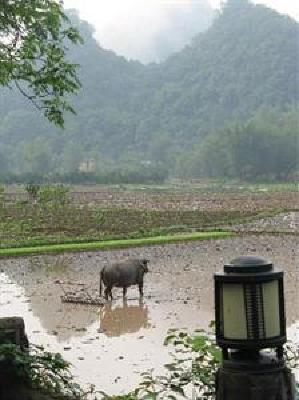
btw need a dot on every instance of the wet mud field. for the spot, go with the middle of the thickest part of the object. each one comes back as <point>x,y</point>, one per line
<point>110,346</point>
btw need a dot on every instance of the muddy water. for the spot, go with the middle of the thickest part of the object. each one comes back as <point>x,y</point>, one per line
<point>109,346</point>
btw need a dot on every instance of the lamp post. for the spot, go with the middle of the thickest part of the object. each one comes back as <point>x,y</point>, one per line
<point>250,317</point>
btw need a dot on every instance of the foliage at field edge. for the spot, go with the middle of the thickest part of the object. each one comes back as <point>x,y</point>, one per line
<point>195,359</point>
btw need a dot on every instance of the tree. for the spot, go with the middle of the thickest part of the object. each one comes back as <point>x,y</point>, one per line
<point>33,45</point>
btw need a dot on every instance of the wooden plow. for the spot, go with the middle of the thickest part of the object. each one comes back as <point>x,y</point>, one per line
<point>78,293</point>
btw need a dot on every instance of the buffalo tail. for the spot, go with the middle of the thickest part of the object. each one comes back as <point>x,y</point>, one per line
<point>101,284</point>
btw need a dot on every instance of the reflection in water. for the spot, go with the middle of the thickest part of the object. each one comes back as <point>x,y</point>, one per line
<point>119,320</point>
<point>65,321</point>
<point>61,319</point>
<point>37,279</point>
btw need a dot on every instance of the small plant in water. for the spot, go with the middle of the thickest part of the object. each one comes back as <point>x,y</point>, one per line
<point>191,374</point>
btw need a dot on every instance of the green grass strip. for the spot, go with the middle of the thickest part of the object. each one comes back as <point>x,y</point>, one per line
<point>111,244</point>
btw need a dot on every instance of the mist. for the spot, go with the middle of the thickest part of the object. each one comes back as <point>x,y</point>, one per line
<point>151,30</point>
<point>146,31</point>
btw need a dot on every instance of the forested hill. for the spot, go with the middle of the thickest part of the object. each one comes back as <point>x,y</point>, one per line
<point>134,116</point>
<point>246,60</point>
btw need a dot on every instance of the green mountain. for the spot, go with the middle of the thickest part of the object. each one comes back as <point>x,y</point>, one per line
<point>140,118</point>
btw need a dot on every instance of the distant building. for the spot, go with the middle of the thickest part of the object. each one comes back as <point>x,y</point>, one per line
<point>87,166</point>
<point>146,162</point>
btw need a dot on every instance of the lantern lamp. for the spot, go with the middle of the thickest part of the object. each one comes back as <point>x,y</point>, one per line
<point>249,306</point>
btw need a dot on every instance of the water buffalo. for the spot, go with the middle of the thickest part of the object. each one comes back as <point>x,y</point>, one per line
<point>123,274</point>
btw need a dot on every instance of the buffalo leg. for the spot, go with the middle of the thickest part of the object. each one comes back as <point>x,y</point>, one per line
<point>141,288</point>
<point>108,292</point>
<point>124,291</point>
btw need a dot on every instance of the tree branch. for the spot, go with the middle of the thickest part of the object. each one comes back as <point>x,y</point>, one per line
<point>30,98</point>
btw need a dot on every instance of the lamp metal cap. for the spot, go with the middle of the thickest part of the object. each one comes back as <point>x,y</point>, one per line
<point>249,265</point>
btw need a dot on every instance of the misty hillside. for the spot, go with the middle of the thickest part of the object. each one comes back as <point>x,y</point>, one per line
<point>131,115</point>
<point>246,60</point>
<point>163,27</point>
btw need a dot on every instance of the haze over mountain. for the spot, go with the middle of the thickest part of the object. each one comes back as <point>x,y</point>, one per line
<point>148,31</point>
<point>134,28</point>
<point>234,83</point>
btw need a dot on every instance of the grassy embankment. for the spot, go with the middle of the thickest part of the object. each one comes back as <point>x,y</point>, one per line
<point>111,244</point>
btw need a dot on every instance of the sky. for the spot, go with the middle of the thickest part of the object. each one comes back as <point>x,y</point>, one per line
<point>131,27</point>
<point>283,6</point>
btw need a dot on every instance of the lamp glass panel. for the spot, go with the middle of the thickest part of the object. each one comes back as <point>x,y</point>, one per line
<point>271,308</point>
<point>234,314</point>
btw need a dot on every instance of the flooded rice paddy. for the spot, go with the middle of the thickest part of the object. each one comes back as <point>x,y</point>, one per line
<point>110,346</point>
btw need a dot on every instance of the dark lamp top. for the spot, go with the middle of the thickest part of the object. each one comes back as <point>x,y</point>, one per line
<point>248,265</point>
